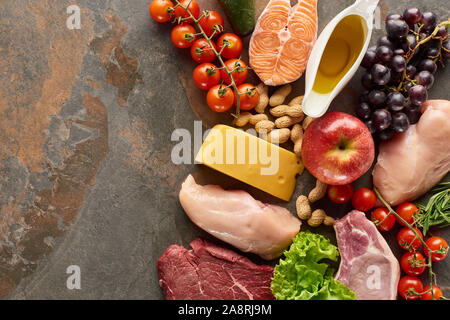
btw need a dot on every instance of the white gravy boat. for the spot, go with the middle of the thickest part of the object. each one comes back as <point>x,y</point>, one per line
<point>315,104</point>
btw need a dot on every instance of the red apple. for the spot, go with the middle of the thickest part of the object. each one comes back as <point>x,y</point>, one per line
<point>337,148</point>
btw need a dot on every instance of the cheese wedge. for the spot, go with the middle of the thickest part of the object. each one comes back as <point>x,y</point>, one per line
<point>250,159</point>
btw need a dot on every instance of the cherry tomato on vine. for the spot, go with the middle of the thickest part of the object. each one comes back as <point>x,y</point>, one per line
<point>410,288</point>
<point>230,45</point>
<point>238,70</point>
<point>201,51</point>
<point>407,211</point>
<point>408,240</point>
<point>383,219</point>
<point>220,98</point>
<point>160,10</point>
<point>193,8</point>
<point>206,76</point>
<point>438,245</point>
<point>183,36</point>
<point>364,199</point>
<point>413,263</point>
<point>211,22</point>
<point>437,292</point>
<point>249,97</point>
<point>340,194</point>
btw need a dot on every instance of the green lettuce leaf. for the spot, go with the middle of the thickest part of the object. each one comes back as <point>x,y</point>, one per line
<point>302,275</point>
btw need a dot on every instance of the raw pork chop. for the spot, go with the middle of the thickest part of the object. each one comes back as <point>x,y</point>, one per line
<point>368,266</point>
<point>210,272</point>
<point>411,163</point>
<point>282,41</point>
<point>235,217</point>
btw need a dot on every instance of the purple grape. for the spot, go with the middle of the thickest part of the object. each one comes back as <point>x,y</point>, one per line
<point>384,41</point>
<point>425,78</point>
<point>427,65</point>
<point>418,95</point>
<point>442,32</point>
<point>395,101</point>
<point>364,97</point>
<point>370,126</point>
<point>399,52</point>
<point>431,52</point>
<point>400,122</point>
<point>381,119</point>
<point>413,115</point>
<point>398,63</point>
<point>363,111</point>
<point>384,54</point>
<point>386,134</point>
<point>428,20</point>
<point>446,49</point>
<point>380,74</point>
<point>408,86</point>
<point>370,58</point>
<point>412,16</point>
<point>396,77</point>
<point>366,80</point>
<point>377,98</point>
<point>397,29</point>
<point>409,43</point>
<point>411,71</point>
<point>394,16</point>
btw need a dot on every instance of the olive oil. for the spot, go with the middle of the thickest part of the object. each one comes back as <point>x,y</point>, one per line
<point>342,50</point>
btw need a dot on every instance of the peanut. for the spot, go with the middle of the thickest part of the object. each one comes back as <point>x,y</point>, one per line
<point>294,111</point>
<point>297,139</point>
<point>264,126</point>
<point>303,207</point>
<point>246,117</point>
<point>317,217</point>
<point>296,100</point>
<point>328,221</point>
<point>280,95</point>
<point>318,192</point>
<point>287,121</point>
<point>278,135</point>
<point>263,91</point>
<point>307,121</point>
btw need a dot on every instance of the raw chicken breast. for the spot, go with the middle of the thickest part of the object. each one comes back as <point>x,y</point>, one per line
<point>411,163</point>
<point>235,217</point>
<point>282,40</point>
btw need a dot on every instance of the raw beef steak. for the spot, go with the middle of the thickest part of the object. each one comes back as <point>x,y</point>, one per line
<point>210,272</point>
<point>368,266</point>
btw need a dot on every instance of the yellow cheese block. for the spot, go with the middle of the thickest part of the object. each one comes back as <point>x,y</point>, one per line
<point>250,159</point>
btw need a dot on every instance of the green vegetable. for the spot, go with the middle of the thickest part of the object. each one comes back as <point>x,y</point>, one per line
<point>437,211</point>
<point>303,276</point>
<point>241,14</point>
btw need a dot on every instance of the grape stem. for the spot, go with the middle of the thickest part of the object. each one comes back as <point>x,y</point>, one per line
<point>218,55</point>
<point>417,236</point>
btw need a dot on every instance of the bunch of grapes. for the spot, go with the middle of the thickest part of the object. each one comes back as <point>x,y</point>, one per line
<point>399,71</point>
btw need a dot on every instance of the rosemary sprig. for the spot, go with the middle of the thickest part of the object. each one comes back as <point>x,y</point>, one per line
<point>437,211</point>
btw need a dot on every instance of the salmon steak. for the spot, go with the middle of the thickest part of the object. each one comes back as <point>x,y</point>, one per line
<point>282,41</point>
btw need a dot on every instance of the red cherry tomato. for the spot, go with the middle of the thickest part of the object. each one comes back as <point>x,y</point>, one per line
<point>408,240</point>
<point>413,263</point>
<point>439,248</point>
<point>211,23</point>
<point>364,199</point>
<point>193,8</point>
<point>183,36</point>
<point>238,70</point>
<point>220,98</point>
<point>160,10</point>
<point>383,219</point>
<point>230,45</point>
<point>410,288</point>
<point>407,211</point>
<point>437,293</point>
<point>249,97</point>
<point>206,76</point>
<point>201,51</point>
<point>340,194</point>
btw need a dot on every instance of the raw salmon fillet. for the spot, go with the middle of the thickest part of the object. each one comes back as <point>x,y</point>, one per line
<point>282,41</point>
